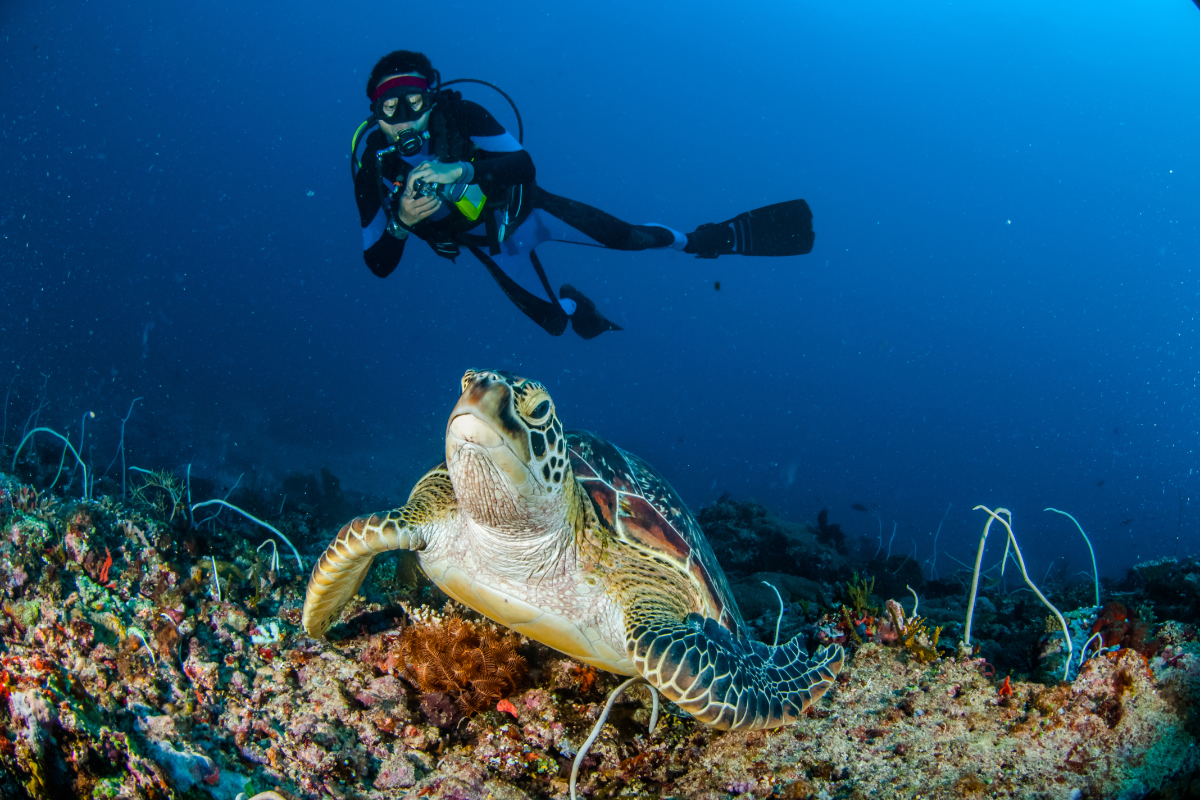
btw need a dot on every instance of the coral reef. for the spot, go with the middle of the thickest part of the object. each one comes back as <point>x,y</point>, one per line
<point>1123,627</point>
<point>322,499</point>
<point>830,535</point>
<point>746,539</point>
<point>136,665</point>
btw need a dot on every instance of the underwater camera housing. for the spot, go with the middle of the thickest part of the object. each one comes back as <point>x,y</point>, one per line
<point>423,189</point>
<point>466,197</point>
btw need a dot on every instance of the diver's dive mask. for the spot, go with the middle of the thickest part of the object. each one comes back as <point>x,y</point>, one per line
<point>401,89</point>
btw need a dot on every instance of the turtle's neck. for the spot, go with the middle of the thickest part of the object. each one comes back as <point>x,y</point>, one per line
<point>516,532</point>
<point>542,549</point>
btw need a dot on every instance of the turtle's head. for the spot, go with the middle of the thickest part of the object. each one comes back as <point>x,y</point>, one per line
<point>505,451</point>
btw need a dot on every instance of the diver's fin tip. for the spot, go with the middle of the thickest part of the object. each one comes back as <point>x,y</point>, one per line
<point>586,320</point>
<point>781,229</point>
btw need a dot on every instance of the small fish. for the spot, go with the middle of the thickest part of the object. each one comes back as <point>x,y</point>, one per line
<point>1127,521</point>
<point>859,507</point>
<point>1100,483</point>
<point>717,286</point>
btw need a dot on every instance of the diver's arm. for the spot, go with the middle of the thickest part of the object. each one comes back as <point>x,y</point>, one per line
<point>500,160</point>
<point>381,250</point>
<point>384,254</point>
<point>495,172</point>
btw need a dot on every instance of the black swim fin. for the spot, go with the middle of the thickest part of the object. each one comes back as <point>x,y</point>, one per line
<point>586,321</point>
<point>782,229</point>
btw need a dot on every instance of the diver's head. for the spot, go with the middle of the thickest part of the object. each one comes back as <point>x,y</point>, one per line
<point>401,92</point>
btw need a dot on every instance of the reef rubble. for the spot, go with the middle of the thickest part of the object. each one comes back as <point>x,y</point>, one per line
<point>149,656</point>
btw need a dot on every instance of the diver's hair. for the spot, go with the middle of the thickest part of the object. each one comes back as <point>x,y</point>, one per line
<point>397,62</point>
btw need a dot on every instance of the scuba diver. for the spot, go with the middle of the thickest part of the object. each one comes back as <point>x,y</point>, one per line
<point>430,164</point>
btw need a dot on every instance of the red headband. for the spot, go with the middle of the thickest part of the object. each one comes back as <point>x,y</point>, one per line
<point>403,80</point>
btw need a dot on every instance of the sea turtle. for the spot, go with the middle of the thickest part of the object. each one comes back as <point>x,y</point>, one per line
<point>569,540</point>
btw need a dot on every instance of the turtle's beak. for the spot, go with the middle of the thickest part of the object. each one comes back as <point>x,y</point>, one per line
<point>482,438</point>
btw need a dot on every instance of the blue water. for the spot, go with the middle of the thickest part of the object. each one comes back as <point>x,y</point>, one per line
<point>1000,307</point>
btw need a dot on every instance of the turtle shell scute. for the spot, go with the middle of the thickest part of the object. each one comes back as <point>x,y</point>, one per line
<point>637,506</point>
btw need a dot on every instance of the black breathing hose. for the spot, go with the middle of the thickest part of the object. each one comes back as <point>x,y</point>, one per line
<point>504,94</point>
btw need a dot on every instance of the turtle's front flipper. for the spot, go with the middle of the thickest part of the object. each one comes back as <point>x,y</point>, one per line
<point>344,564</point>
<point>726,681</point>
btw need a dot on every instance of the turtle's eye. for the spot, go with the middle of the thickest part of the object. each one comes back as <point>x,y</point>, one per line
<point>540,411</point>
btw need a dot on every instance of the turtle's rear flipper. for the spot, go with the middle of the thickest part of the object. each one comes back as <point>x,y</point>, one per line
<point>586,320</point>
<point>728,682</point>
<point>342,567</point>
<point>782,229</point>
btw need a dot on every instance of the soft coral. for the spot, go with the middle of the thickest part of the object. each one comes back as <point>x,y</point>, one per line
<point>476,663</point>
<point>1121,627</point>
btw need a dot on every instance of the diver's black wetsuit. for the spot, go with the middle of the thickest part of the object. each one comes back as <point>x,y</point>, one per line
<point>517,218</point>
<point>499,161</point>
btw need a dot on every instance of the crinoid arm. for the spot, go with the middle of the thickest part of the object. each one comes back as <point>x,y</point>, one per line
<point>727,681</point>
<point>344,565</point>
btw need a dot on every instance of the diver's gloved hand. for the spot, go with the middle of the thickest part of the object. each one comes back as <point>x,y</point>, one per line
<point>416,207</point>
<point>437,172</point>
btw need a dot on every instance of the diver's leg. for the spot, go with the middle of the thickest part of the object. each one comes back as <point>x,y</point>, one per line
<point>519,273</point>
<point>521,278</point>
<point>780,229</point>
<point>605,229</point>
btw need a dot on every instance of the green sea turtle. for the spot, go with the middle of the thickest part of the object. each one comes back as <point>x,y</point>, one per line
<point>571,541</point>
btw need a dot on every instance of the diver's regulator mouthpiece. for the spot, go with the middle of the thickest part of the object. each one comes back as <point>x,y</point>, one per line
<point>409,142</point>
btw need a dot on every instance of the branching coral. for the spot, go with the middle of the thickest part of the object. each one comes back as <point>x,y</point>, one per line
<point>27,502</point>
<point>858,590</point>
<point>851,628</point>
<point>476,663</point>
<point>920,642</point>
<point>831,535</point>
<point>158,487</point>
<point>914,633</point>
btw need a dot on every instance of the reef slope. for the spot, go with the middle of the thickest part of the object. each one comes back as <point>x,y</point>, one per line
<point>124,675</point>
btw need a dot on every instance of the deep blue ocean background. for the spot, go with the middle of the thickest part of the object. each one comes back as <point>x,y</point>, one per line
<point>1000,307</point>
